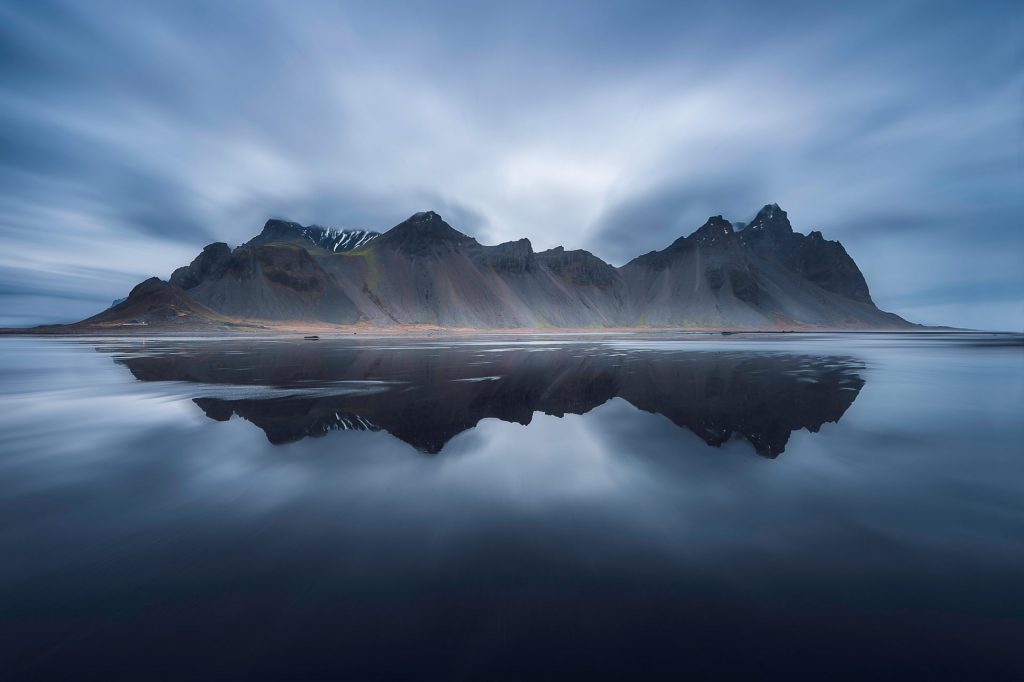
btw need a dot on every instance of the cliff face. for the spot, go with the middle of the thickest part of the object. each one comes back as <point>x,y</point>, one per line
<point>266,281</point>
<point>764,276</point>
<point>424,271</point>
<point>823,262</point>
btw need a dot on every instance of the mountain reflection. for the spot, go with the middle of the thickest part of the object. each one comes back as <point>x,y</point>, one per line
<point>425,394</point>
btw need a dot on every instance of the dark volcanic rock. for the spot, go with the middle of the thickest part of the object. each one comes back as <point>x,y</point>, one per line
<point>423,271</point>
<point>266,280</point>
<point>579,267</point>
<point>744,285</point>
<point>511,257</point>
<point>717,232</point>
<point>212,263</point>
<point>155,302</point>
<point>764,276</point>
<point>329,239</point>
<point>825,263</point>
<point>275,230</point>
<point>422,234</point>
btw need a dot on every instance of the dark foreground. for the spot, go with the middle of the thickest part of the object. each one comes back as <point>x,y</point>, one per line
<point>633,507</point>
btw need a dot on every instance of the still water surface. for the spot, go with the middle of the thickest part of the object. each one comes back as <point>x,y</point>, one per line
<point>634,506</point>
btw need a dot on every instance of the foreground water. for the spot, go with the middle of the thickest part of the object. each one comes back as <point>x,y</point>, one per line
<point>778,506</point>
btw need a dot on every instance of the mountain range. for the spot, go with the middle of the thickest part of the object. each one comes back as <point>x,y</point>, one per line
<point>756,275</point>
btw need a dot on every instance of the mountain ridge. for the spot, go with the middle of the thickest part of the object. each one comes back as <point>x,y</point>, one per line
<point>423,271</point>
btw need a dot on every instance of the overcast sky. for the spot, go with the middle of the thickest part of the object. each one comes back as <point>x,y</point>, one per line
<point>132,134</point>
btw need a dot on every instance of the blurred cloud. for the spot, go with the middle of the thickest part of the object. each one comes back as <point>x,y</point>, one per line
<point>133,134</point>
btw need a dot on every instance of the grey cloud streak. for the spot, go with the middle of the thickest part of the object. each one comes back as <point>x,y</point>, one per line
<point>132,135</point>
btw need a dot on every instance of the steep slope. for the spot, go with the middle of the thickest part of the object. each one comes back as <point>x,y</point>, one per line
<point>265,280</point>
<point>155,303</point>
<point>766,276</point>
<point>423,271</point>
<point>823,262</point>
<point>705,279</point>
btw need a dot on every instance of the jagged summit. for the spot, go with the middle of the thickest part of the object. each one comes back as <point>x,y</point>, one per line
<point>338,241</point>
<point>715,232</point>
<point>580,267</point>
<point>328,238</point>
<point>825,263</point>
<point>510,257</point>
<point>277,229</point>
<point>423,232</point>
<point>211,263</point>
<point>771,218</point>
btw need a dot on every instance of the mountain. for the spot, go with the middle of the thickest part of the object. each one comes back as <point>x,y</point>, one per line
<point>424,271</point>
<point>157,303</point>
<point>823,262</point>
<point>326,238</point>
<point>762,275</point>
<point>268,280</point>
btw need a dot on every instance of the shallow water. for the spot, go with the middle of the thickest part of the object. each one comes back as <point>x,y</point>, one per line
<point>781,506</point>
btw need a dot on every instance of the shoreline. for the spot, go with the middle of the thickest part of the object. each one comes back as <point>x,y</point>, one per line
<point>278,330</point>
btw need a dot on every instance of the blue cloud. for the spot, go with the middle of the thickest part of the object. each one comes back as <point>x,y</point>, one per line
<point>150,130</point>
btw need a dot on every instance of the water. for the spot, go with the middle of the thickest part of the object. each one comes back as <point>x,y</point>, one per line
<point>633,506</point>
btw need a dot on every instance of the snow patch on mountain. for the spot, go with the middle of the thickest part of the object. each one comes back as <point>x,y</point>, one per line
<point>336,240</point>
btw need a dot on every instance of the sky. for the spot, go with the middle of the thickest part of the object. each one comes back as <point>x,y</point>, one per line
<point>134,133</point>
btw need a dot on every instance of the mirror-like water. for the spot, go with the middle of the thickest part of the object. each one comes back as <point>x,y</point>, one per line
<point>493,507</point>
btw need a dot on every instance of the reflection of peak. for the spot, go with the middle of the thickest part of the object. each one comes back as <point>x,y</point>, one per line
<point>427,396</point>
<point>286,420</point>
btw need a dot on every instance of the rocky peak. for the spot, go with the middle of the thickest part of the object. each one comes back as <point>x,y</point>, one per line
<point>276,229</point>
<point>823,262</point>
<point>423,232</point>
<point>715,232</point>
<point>146,287</point>
<point>514,257</point>
<point>770,219</point>
<point>330,239</point>
<point>339,241</point>
<point>425,217</point>
<point>579,266</point>
<point>210,264</point>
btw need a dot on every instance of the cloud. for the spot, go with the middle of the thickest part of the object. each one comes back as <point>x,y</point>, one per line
<point>653,219</point>
<point>607,125</point>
